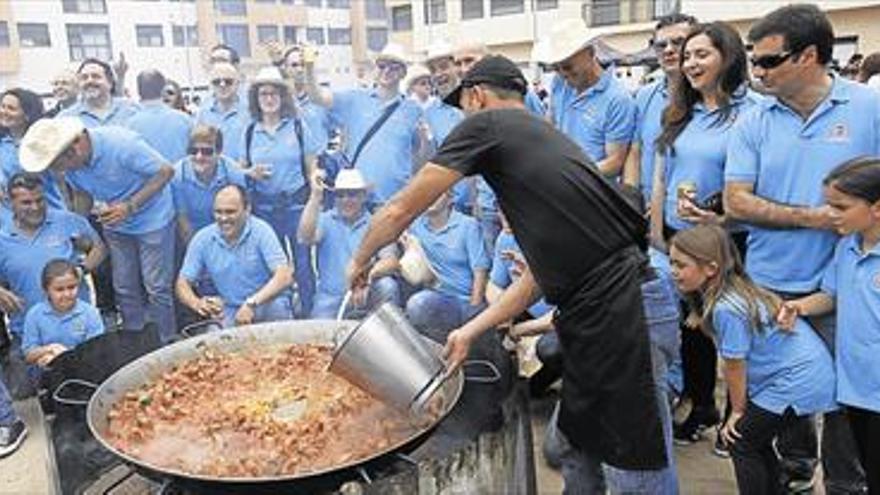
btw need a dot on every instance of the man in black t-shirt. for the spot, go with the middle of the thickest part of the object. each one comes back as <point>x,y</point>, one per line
<point>582,241</point>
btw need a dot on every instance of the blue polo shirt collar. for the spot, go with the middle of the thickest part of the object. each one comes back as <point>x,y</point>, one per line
<point>242,238</point>
<point>839,94</point>
<point>218,179</point>
<point>854,245</point>
<point>454,220</point>
<point>284,123</point>
<point>374,93</point>
<point>14,231</point>
<point>215,106</point>
<point>600,87</point>
<point>74,312</point>
<point>114,108</point>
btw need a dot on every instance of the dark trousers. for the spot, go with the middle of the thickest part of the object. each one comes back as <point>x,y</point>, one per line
<point>865,427</point>
<point>699,360</point>
<point>755,463</point>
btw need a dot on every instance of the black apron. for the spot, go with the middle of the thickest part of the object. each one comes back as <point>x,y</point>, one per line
<point>609,405</point>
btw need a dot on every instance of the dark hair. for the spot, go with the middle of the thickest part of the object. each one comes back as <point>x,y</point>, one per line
<point>24,180</point>
<point>800,25</point>
<point>859,177</point>
<point>733,75</point>
<point>108,71</point>
<point>57,268</point>
<point>31,104</point>
<point>234,59</point>
<point>179,99</point>
<point>287,108</point>
<point>673,19</point>
<point>242,193</point>
<point>870,66</point>
<point>150,84</point>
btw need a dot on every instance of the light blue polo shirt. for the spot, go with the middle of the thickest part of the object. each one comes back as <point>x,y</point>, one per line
<point>650,102</point>
<point>699,153</point>
<point>121,164</point>
<point>10,165</point>
<point>502,270</point>
<point>237,270</point>
<point>232,123</point>
<point>23,258</point>
<point>786,158</point>
<point>454,251</point>
<point>337,243</point>
<point>317,119</point>
<point>534,104</point>
<point>164,128</point>
<point>121,109</point>
<point>602,114</point>
<point>387,160</point>
<point>853,278</point>
<point>195,199</point>
<point>281,152</point>
<point>43,326</point>
<point>783,369</point>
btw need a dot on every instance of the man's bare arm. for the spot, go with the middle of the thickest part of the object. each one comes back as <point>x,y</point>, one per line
<point>741,203</point>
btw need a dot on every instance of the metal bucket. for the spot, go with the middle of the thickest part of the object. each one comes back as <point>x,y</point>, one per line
<point>385,356</point>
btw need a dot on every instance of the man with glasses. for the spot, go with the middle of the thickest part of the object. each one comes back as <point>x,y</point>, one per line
<point>777,159</point>
<point>162,127</point>
<point>669,34</point>
<point>336,233</point>
<point>226,108</point>
<point>382,136</point>
<point>127,180</point>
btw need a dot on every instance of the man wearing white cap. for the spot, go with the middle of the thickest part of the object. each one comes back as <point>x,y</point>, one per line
<point>418,85</point>
<point>587,103</point>
<point>382,137</point>
<point>127,180</point>
<point>336,233</point>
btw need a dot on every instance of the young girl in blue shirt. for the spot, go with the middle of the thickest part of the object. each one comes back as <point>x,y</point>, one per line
<point>852,284</point>
<point>773,375</point>
<point>62,321</point>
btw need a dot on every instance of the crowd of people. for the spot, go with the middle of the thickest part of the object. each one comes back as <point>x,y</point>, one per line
<point>729,208</point>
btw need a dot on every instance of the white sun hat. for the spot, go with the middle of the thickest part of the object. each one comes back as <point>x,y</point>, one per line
<point>268,75</point>
<point>350,179</point>
<point>567,38</point>
<point>45,140</point>
<point>393,52</point>
<point>439,49</point>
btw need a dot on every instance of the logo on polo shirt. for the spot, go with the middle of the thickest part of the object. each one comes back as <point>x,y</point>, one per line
<point>876,283</point>
<point>838,133</point>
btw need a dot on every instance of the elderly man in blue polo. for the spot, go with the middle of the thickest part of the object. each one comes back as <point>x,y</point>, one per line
<point>243,258</point>
<point>128,182</point>
<point>587,103</point>
<point>336,233</point>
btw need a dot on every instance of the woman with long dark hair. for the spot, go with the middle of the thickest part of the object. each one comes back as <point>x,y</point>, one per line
<point>710,96</point>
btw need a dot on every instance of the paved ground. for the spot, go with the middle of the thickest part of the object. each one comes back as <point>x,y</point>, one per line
<point>26,471</point>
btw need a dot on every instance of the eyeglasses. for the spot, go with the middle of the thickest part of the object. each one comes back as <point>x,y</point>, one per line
<point>169,92</point>
<point>661,44</point>
<point>771,61</point>
<point>271,93</point>
<point>223,81</point>
<point>201,150</point>
<point>387,66</point>
<point>347,193</point>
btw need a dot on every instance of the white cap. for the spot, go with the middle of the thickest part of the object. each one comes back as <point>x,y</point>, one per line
<point>350,179</point>
<point>439,49</point>
<point>268,75</point>
<point>393,52</point>
<point>45,140</point>
<point>567,38</point>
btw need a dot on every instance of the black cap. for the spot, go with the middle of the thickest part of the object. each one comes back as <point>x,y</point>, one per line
<point>495,70</point>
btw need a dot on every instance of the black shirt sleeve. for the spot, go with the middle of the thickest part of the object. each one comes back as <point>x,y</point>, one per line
<point>470,147</point>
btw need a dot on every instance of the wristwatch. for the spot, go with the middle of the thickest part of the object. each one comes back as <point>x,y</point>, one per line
<point>251,302</point>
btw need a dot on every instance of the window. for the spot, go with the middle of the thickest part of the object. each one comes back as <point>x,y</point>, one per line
<point>377,38</point>
<point>266,1</point>
<point>338,4</point>
<point>230,7</point>
<point>471,9</point>
<point>665,7</point>
<point>184,35</point>
<point>401,18</point>
<point>338,36</point>
<point>546,4</point>
<point>4,33</point>
<point>84,6</point>
<point>435,11</point>
<point>289,35</point>
<point>314,3</point>
<point>604,12</point>
<point>149,35</point>
<point>376,10</point>
<point>33,35</point>
<point>288,2</point>
<point>267,32</point>
<point>315,36</point>
<point>504,7</point>
<point>236,36</point>
<point>89,41</point>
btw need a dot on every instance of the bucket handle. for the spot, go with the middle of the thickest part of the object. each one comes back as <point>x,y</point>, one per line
<point>56,395</point>
<point>194,329</point>
<point>344,305</point>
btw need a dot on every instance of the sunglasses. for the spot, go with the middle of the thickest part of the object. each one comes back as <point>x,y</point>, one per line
<point>223,81</point>
<point>201,150</point>
<point>661,44</point>
<point>347,193</point>
<point>771,61</point>
<point>387,66</point>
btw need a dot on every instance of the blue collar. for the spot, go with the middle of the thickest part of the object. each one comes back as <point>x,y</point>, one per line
<point>854,245</point>
<point>359,221</point>
<point>76,310</point>
<point>14,231</point>
<point>245,233</point>
<point>453,221</point>
<point>840,93</point>
<point>220,173</point>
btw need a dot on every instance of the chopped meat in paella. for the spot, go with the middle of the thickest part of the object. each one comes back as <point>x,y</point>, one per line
<point>256,414</point>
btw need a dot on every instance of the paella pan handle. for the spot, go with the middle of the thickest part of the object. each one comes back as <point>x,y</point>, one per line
<point>56,395</point>
<point>200,327</point>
